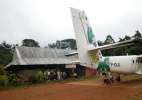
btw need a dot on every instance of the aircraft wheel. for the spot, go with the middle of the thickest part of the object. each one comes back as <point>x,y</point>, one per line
<point>118,79</point>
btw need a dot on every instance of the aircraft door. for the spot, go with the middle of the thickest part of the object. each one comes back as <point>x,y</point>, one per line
<point>133,65</point>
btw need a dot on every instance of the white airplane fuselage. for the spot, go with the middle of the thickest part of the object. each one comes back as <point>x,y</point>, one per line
<point>125,64</point>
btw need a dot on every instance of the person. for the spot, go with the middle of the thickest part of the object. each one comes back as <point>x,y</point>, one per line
<point>64,75</point>
<point>54,75</point>
<point>111,77</point>
<point>49,75</point>
<point>106,79</point>
<point>59,77</point>
<point>75,74</point>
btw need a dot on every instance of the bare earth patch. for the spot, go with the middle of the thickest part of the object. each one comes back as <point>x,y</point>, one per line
<point>80,90</point>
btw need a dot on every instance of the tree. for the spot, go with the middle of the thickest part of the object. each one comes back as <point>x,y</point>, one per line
<point>5,45</point>
<point>137,34</point>
<point>131,50</point>
<point>100,43</point>
<point>64,44</point>
<point>127,37</point>
<point>58,44</point>
<point>30,43</point>
<point>53,45</point>
<point>120,40</point>
<point>70,43</point>
<point>5,53</point>
<point>109,40</point>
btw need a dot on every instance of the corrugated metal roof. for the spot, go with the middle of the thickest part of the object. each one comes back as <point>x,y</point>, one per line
<point>35,52</point>
<point>38,56</point>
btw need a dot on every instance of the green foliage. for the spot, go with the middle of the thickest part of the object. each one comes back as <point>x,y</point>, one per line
<point>109,40</point>
<point>3,77</point>
<point>2,72</point>
<point>137,34</point>
<point>5,57</point>
<point>100,43</point>
<point>135,50</point>
<point>6,49</point>
<point>40,76</point>
<point>53,45</point>
<point>12,79</point>
<point>33,79</point>
<point>125,38</point>
<point>130,50</point>
<point>71,42</point>
<point>5,53</point>
<point>30,43</point>
<point>37,77</point>
<point>3,80</point>
<point>63,44</point>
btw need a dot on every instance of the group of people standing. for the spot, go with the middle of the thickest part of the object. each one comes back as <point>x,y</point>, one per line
<point>108,78</point>
<point>56,75</point>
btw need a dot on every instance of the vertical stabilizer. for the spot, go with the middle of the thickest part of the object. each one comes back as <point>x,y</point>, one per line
<point>84,38</point>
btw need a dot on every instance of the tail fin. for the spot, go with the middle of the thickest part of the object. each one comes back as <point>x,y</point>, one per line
<point>85,39</point>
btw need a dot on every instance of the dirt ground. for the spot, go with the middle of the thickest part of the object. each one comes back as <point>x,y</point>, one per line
<point>79,90</point>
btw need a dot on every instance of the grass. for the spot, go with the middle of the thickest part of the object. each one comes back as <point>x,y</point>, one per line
<point>9,87</point>
<point>131,77</point>
<point>138,96</point>
<point>124,78</point>
<point>24,85</point>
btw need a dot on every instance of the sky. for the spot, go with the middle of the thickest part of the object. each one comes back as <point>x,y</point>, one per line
<point>49,20</point>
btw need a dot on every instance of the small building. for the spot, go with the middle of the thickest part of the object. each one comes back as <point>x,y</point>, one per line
<point>26,60</point>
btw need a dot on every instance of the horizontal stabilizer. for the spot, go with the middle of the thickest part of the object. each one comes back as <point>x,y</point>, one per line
<point>116,45</point>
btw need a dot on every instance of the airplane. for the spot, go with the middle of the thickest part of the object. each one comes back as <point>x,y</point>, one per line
<point>90,53</point>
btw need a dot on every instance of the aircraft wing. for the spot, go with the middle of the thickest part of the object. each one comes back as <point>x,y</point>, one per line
<point>110,46</point>
<point>116,45</point>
